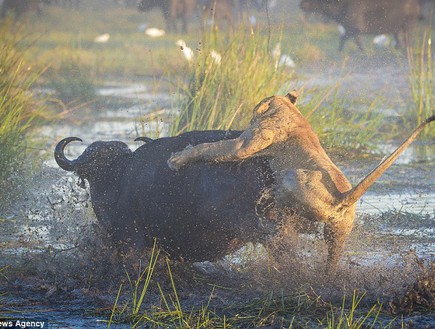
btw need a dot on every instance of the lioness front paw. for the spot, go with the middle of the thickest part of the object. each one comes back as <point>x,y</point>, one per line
<point>174,162</point>
<point>179,159</point>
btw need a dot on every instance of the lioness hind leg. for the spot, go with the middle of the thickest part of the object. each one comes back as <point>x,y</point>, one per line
<point>335,235</point>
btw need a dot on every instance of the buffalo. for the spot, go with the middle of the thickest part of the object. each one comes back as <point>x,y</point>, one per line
<point>203,212</point>
<point>360,17</point>
<point>220,11</point>
<point>173,10</point>
<point>20,7</point>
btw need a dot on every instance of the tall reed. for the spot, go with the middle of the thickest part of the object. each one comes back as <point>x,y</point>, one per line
<point>353,318</point>
<point>420,79</point>
<point>221,93</point>
<point>168,313</point>
<point>337,124</point>
<point>18,106</point>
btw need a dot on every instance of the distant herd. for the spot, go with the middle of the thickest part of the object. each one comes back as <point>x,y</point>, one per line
<point>356,17</point>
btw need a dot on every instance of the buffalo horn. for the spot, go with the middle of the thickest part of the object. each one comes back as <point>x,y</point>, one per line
<point>144,139</point>
<point>60,157</point>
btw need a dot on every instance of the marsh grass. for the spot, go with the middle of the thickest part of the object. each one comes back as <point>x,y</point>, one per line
<point>221,94</point>
<point>138,310</point>
<point>337,124</point>
<point>20,110</point>
<point>352,318</point>
<point>72,80</point>
<point>150,304</point>
<point>421,75</point>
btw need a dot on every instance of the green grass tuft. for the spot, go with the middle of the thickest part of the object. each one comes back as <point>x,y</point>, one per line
<point>19,108</point>
<point>421,83</point>
<point>222,95</point>
<point>337,124</point>
<point>146,306</point>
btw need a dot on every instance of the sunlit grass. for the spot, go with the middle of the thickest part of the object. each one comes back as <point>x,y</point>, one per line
<point>421,77</point>
<point>149,303</point>
<point>338,124</point>
<point>221,94</point>
<point>19,109</point>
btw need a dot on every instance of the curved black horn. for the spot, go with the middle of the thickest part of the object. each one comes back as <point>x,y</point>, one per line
<point>60,157</point>
<point>144,139</point>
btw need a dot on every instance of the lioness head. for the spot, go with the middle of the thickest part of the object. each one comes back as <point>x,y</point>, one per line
<point>269,105</point>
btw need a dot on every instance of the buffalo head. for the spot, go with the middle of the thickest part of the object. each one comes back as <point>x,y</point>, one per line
<point>101,164</point>
<point>97,160</point>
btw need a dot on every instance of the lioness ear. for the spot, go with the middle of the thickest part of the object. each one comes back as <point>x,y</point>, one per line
<point>262,107</point>
<point>293,96</point>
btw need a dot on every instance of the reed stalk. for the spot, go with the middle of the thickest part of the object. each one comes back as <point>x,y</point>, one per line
<point>19,107</point>
<point>420,80</point>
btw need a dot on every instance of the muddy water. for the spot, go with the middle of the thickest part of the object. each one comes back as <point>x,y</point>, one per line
<point>396,215</point>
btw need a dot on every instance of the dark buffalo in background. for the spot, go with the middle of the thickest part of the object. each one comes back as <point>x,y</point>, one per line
<point>360,17</point>
<point>172,10</point>
<point>18,8</point>
<point>427,8</point>
<point>221,12</point>
<point>202,212</point>
<point>229,11</point>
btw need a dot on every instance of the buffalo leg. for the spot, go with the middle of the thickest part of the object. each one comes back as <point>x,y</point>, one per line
<point>359,41</point>
<point>343,39</point>
<point>400,39</point>
<point>184,25</point>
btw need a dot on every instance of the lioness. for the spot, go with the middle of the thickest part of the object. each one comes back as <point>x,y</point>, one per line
<point>307,181</point>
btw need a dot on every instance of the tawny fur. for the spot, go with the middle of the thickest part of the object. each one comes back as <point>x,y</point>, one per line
<point>306,178</point>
